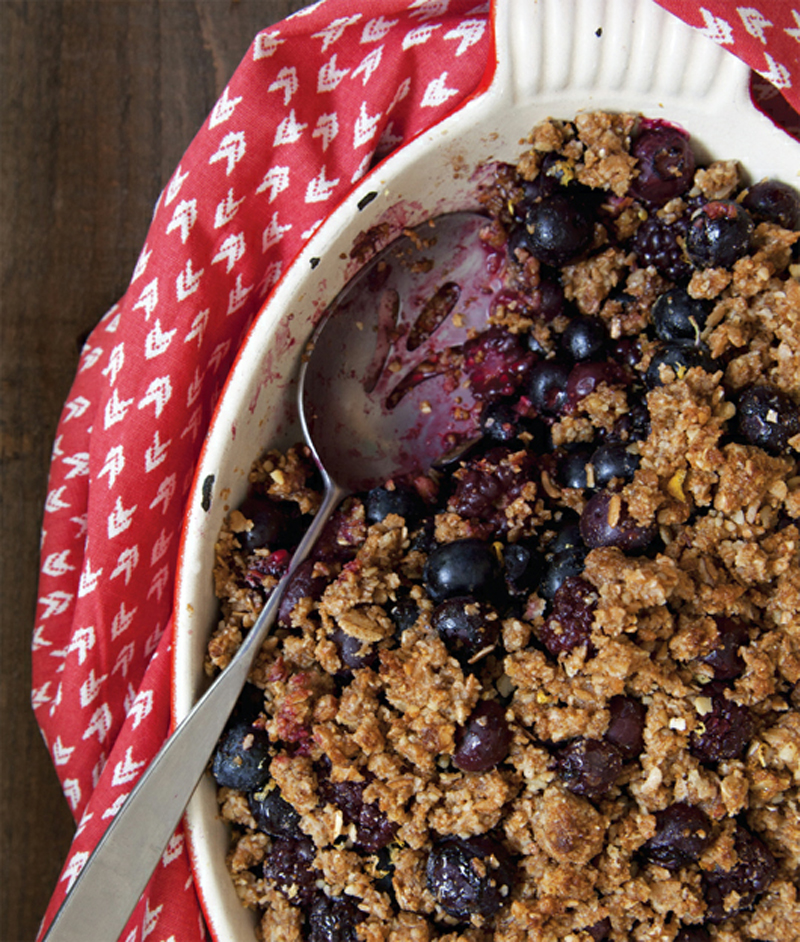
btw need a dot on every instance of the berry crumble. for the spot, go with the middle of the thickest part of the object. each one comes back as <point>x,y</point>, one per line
<point>549,690</point>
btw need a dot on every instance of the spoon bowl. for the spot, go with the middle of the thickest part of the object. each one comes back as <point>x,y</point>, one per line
<point>421,292</point>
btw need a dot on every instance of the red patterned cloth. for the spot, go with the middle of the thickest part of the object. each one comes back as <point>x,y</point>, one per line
<point>317,100</point>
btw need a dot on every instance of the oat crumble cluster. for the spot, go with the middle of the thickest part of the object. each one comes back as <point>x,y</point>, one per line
<point>549,690</point>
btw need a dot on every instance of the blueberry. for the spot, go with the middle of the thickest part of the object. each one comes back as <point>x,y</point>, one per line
<point>572,466</point>
<point>333,919</point>
<point>680,358</point>
<point>589,767</point>
<point>400,499</point>
<point>485,739</point>
<point>601,930</point>
<point>613,461</point>
<point>242,757</point>
<point>302,584</point>
<point>605,521</point>
<point>728,892</point>
<point>678,317</point>
<point>693,934</point>
<point>725,659</point>
<point>404,613</point>
<point>768,418</point>
<point>549,301</point>
<point>634,426</point>
<point>725,730</point>
<point>290,866</point>
<point>661,244</point>
<point>272,812</point>
<point>665,164</point>
<point>570,623</point>
<point>566,563</point>
<point>274,524</point>
<point>503,423</point>
<point>560,228</point>
<point>584,378</point>
<point>470,877</point>
<point>584,338</point>
<point>467,627</point>
<point>683,832</point>
<point>523,566</point>
<point>720,232</point>
<point>568,536</point>
<point>463,567</point>
<point>774,201</point>
<point>626,723</point>
<point>547,388</point>
<point>352,652</point>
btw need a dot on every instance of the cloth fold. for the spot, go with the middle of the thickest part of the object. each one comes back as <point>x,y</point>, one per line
<point>318,99</point>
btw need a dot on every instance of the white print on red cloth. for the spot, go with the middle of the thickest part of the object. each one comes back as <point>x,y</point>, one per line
<point>242,202</point>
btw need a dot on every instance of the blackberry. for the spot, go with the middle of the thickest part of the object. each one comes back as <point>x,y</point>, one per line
<point>661,244</point>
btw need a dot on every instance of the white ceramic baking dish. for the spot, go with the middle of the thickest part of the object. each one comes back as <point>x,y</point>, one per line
<point>551,58</point>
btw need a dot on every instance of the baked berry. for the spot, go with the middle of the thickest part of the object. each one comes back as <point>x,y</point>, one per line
<point>560,228</point>
<point>665,164</point>
<point>728,892</point>
<point>488,483</point>
<point>353,653</point>
<point>589,767</point>
<point>570,623</point>
<point>726,728</point>
<point>333,919</point>
<point>720,232</point>
<point>484,741</point>
<point>774,201</point>
<point>678,317</point>
<point>634,426</point>
<point>290,866</point>
<point>303,583</point>
<point>495,363</point>
<point>404,613</point>
<point>274,524</point>
<point>683,832</point>
<point>601,930</point>
<point>548,299</point>
<point>572,466</point>
<point>626,722</point>
<point>679,358</point>
<point>523,566</point>
<point>401,499</point>
<point>470,877</point>
<point>584,378</point>
<point>373,828</point>
<point>467,627</point>
<point>272,812</point>
<point>463,567</point>
<point>242,757</point>
<point>562,565</point>
<point>568,536</point>
<point>725,660</point>
<point>605,521</point>
<point>660,244</point>
<point>693,934</point>
<point>499,422</point>
<point>547,388</point>
<point>584,338</point>
<point>768,418</point>
<point>612,461</point>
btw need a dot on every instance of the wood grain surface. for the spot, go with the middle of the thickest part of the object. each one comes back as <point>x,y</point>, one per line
<point>99,100</point>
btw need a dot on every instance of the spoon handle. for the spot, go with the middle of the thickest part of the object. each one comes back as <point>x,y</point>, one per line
<point>114,876</point>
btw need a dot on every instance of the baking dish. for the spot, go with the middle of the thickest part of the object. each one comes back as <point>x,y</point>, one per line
<point>550,58</point>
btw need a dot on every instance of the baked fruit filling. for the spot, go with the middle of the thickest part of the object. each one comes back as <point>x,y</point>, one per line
<point>548,690</point>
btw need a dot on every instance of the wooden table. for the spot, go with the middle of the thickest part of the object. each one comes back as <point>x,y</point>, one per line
<point>99,100</point>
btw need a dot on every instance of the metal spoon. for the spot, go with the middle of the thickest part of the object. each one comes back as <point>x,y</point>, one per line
<point>376,399</point>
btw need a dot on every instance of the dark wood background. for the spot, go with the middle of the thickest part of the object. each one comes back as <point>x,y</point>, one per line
<point>99,100</point>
